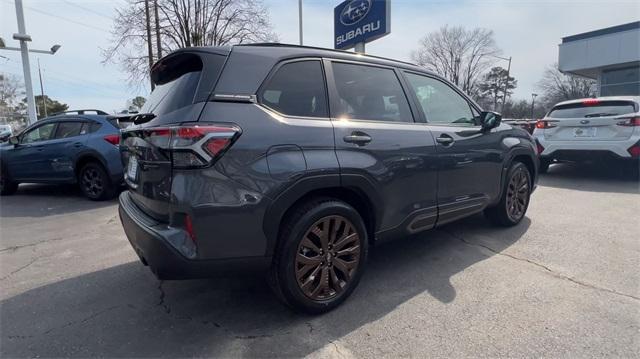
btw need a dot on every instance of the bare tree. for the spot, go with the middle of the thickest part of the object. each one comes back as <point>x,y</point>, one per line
<point>556,86</point>
<point>183,23</point>
<point>458,54</point>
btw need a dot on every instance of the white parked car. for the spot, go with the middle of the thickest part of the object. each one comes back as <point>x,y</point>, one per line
<point>589,129</point>
<point>5,132</point>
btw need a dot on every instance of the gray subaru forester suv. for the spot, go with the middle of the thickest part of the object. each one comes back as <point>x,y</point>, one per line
<point>296,160</point>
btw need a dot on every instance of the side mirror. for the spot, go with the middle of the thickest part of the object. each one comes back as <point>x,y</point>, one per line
<point>14,140</point>
<point>490,119</point>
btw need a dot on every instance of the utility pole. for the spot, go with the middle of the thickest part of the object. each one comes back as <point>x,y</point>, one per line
<point>158,42</point>
<point>506,85</point>
<point>26,68</point>
<point>533,102</point>
<point>300,19</point>
<point>44,102</point>
<point>149,40</point>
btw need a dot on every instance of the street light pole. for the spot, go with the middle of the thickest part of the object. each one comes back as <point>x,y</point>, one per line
<point>300,20</point>
<point>26,68</point>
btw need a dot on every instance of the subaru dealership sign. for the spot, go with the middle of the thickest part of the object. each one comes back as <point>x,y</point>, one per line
<point>360,21</point>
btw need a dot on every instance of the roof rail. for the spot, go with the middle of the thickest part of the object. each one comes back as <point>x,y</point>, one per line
<point>279,44</point>
<point>80,112</point>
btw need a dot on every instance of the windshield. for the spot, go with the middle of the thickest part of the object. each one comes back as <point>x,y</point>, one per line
<point>602,109</point>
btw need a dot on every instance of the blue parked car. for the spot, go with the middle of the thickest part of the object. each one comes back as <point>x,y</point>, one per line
<point>72,147</point>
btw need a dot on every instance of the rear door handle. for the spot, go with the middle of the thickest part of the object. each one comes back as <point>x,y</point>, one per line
<point>445,140</point>
<point>358,138</point>
<point>77,144</point>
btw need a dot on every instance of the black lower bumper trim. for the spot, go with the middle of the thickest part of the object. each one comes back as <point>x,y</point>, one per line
<point>165,261</point>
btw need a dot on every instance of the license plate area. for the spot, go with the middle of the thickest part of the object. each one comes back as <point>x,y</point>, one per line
<point>132,168</point>
<point>584,132</point>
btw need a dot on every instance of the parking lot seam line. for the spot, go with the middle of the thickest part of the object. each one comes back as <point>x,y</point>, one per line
<point>542,266</point>
<point>15,248</point>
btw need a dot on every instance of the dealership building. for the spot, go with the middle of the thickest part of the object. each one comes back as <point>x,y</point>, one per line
<point>611,56</point>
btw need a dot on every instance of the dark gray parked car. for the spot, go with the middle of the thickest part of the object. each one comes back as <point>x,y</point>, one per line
<point>297,160</point>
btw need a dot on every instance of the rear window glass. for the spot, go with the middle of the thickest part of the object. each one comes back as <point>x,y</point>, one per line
<point>601,109</point>
<point>176,80</point>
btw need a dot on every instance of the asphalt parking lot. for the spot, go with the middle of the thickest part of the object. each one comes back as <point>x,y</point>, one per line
<point>563,283</point>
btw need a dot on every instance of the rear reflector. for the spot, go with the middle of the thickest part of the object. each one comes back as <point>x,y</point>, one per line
<point>634,150</point>
<point>631,122</point>
<point>539,147</point>
<point>112,139</point>
<point>188,226</point>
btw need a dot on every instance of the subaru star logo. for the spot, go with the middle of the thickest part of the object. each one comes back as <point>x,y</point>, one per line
<point>355,11</point>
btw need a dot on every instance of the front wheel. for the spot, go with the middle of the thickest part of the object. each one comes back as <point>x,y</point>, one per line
<point>320,257</point>
<point>95,183</point>
<point>515,197</point>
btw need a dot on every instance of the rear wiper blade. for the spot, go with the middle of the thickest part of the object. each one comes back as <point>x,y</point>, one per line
<point>142,118</point>
<point>600,114</point>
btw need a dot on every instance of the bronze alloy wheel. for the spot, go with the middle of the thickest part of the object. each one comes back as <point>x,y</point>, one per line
<point>327,257</point>
<point>517,195</point>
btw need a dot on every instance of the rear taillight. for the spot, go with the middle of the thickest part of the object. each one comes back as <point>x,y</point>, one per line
<point>193,146</point>
<point>630,122</point>
<point>543,124</point>
<point>112,139</point>
<point>634,150</point>
<point>590,102</point>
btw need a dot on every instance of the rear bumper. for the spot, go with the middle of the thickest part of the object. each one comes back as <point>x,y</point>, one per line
<point>150,240</point>
<point>558,149</point>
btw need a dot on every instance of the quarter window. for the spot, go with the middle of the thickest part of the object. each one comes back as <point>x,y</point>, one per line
<point>68,129</point>
<point>440,103</point>
<point>370,93</point>
<point>297,89</point>
<point>40,133</point>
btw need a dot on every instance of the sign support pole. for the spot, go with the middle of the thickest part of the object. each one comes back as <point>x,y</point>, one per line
<point>360,47</point>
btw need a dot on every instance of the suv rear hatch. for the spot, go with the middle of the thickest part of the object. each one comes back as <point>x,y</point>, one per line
<point>184,80</point>
<point>591,120</point>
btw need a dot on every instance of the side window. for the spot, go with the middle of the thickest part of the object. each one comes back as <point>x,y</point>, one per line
<point>40,133</point>
<point>94,126</point>
<point>440,103</point>
<point>68,129</point>
<point>297,89</point>
<point>370,93</point>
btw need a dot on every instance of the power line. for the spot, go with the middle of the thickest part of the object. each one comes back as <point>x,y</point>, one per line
<point>66,19</point>
<point>86,9</point>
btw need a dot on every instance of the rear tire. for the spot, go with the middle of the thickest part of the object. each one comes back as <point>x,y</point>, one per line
<point>515,197</point>
<point>95,183</point>
<point>7,186</point>
<point>320,257</point>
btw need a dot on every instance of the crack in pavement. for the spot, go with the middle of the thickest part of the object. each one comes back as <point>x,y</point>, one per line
<point>161,302</point>
<point>92,316</point>
<point>542,266</point>
<point>15,248</point>
<point>33,260</point>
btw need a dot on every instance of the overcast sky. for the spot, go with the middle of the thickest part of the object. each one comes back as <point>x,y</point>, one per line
<point>529,31</point>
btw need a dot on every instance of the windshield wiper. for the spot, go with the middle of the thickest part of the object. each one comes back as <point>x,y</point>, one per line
<point>600,114</point>
<point>142,118</point>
